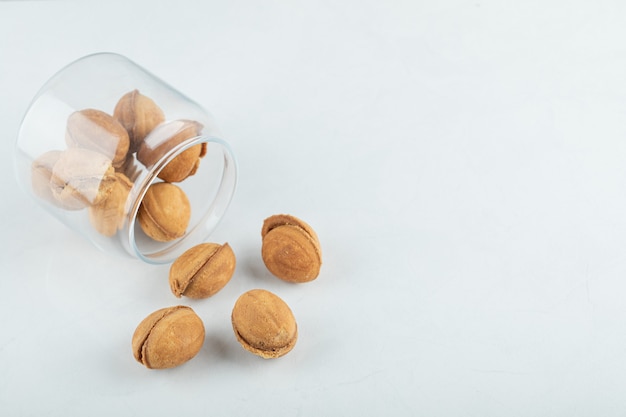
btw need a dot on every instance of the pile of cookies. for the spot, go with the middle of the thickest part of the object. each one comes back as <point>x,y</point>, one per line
<point>103,155</point>
<point>262,322</point>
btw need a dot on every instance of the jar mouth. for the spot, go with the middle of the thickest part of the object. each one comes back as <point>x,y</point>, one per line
<point>210,190</point>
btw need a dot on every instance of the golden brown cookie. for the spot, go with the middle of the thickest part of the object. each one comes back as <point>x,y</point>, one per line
<point>291,250</point>
<point>107,217</point>
<point>184,164</point>
<point>164,212</point>
<point>139,115</point>
<point>163,139</point>
<point>264,324</point>
<point>96,130</point>
<point>202,270</point>
<point>168,337</point>
<point>81,177</point>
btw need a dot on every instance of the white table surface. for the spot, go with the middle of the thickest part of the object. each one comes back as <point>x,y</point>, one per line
<point>463,162</point>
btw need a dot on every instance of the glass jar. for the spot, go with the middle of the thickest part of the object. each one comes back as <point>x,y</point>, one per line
<point>98,138</point>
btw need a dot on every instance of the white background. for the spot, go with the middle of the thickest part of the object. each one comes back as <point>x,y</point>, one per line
<point>463,162</point>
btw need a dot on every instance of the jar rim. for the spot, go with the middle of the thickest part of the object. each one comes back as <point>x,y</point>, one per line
<point>200,228</point>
